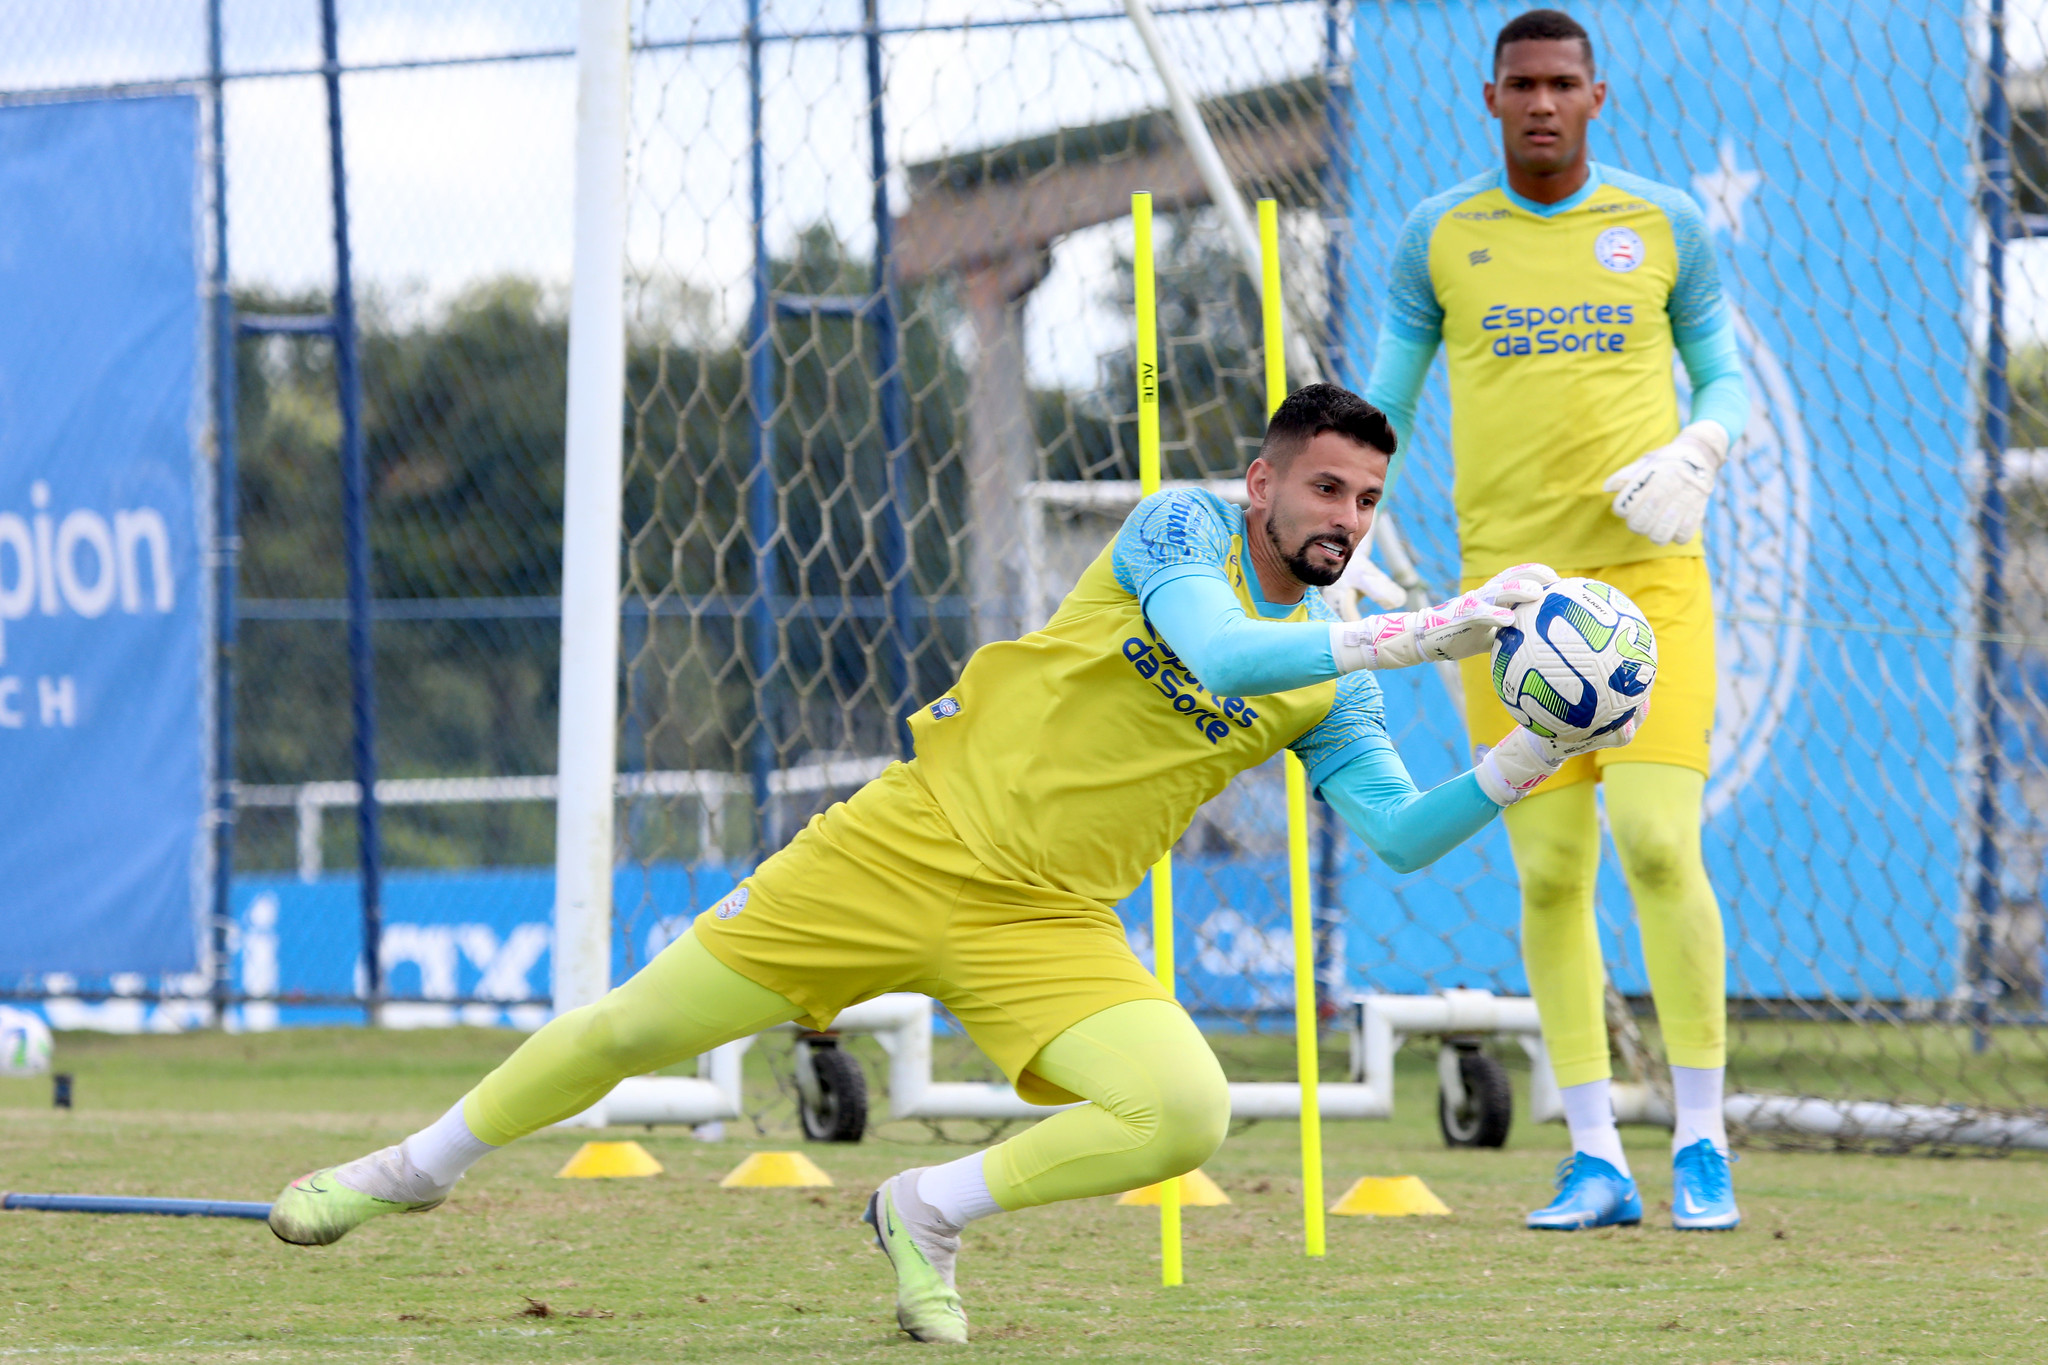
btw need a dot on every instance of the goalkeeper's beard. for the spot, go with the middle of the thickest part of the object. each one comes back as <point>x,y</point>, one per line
<point>1304,569</point>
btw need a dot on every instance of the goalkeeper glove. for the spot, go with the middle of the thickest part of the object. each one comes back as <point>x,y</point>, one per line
<point>1518,764</point>
<point>1664,494</point>
<point>1463,626</point>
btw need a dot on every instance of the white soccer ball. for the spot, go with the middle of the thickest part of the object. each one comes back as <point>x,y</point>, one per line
<point>1577,662</point>
<point>24,1043</point>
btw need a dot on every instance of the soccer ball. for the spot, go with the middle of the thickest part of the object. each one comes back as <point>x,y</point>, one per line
<point>1577,662</point>
<point>24,1043</point>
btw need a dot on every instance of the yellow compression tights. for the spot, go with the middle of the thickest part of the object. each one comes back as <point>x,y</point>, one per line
<point>1654,811</point>
<point>1158,1105</point>
<point>681,1005</point>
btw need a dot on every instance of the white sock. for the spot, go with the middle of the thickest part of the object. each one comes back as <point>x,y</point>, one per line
<point>1696,1095</point>
<point>958,1191</point>
<point>445,1148</point>
<point>1589,1113</point>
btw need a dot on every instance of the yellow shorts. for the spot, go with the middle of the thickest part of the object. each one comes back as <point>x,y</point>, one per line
<point>879,894</point>
<point>1677,597</point>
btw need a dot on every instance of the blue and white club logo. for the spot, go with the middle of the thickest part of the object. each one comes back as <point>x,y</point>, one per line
<point>732,904</point>
<point>945,707</point>
<point>1620,249</point>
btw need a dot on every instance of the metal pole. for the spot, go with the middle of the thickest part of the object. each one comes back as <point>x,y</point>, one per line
<point>761,474</point>
<point>1996,146</point>
<point>894,403</point>
<point>1329,907</point>
<point>594,460</point>
<point>226,542</point>
<point>355,496</point>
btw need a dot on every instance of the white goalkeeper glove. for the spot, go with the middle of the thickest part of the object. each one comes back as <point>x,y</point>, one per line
<point>1518,764</point>
<point>1367,579</point>
<point>1456,629</point>
<point>1664,494</point>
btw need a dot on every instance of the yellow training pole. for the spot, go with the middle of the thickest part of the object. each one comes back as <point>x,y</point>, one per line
<point>1148,483</point>
<point>1298,901</point>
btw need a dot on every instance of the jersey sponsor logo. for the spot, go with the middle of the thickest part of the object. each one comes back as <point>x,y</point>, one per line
<point>732,904</point>
<point>1546,331</point>
<point>1625,206</point>
<point>945,708</point>
<point>1488,216</point>
<point>1479,257</point>
<point>1618,248</point>
<point>1162,670</point>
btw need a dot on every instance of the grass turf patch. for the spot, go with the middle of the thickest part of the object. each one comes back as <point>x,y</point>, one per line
<point>1842,1257</point>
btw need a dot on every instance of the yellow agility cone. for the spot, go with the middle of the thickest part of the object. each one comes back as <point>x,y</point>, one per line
<point>1395,1196</point>
<point>772,1170</point>
<point>608,1160</point>
<point>1197,1190</point>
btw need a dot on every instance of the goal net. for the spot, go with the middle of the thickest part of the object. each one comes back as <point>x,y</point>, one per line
<point>882,411</point>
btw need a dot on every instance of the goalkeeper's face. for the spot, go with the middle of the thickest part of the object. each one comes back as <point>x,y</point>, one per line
<point>1544,93</point>
<point>1317,505</point>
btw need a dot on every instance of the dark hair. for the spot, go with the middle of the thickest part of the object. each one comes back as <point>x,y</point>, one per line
<point>1539,26</point>
<point>1308,412</point>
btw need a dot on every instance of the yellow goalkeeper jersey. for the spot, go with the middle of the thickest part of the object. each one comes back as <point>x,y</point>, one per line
<point>1075,756</point>
<point>1558,324</point>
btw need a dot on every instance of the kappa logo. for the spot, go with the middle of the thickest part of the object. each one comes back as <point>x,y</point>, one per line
<point>1479,257</point>
<point>945,708</point>
<point>1620,249</point>
<point>732,904</point>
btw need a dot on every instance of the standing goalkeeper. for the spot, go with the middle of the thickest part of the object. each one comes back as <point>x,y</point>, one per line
<point>1559,289</point>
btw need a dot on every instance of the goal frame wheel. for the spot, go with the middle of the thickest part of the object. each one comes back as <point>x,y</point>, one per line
<point>832,1090</point>
<point>1475,1104</point>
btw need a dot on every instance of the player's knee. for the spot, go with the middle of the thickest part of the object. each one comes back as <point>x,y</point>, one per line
<point>1658,859</point>
<point>1553,883</point>
<point>1194,1115</point>
<point>615,1035</point>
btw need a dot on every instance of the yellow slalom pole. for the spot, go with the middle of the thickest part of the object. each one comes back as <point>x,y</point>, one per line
<point>1298,901</point>
<point>1148,483</point>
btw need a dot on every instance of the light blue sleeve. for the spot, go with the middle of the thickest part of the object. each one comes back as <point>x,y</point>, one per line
<point>1408,829</point>
<point>1719,392</point>
<point>1413,312</point>
<point>1400,365</point>
<point>1701,323</point>
<point>1202,621</point>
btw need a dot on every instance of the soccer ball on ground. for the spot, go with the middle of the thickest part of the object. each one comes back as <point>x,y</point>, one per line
<point>1577,662</point>
<point>24,1043</point>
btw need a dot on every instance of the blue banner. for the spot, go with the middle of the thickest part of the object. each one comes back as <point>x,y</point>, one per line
<point>1838,198</point>
<point>103,619</point>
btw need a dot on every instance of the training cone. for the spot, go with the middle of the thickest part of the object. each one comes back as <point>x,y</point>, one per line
<point>1197,1190</point>
<point>773,1170</point>
<point>1390,1196</point>
<point>607,1161</point>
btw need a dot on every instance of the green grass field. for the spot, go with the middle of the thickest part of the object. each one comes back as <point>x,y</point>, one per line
<point>1843,1257</point>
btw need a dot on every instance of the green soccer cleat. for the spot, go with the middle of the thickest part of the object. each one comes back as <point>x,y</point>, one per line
<point>318,1209</point>
<point>927,1306</point>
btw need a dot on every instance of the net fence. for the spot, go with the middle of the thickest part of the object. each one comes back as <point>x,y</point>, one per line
<point>880,410</point>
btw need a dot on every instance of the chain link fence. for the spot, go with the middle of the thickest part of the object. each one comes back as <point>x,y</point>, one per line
<point>880,410</point>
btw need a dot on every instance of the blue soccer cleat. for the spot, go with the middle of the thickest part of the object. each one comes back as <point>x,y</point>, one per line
<point>1702,1196</point>
<point>1590,1194</point>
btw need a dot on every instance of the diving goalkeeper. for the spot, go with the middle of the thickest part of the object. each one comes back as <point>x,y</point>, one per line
<point>986,871</point>
<point>1559,289</point>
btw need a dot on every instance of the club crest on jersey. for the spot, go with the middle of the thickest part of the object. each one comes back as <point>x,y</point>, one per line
<point>945,708</point>
<point>1620,249</point>
<point>732,904</point>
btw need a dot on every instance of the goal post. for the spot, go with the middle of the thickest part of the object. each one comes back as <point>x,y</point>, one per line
<point>594,461</point>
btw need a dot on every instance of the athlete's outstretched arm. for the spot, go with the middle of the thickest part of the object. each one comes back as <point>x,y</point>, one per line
<point>1714,367</point>
<point>1201,620</point>
<point>1409,829</point>
<point>1354,767</point>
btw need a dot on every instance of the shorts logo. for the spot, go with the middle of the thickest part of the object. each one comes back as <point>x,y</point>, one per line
<point>1620,249</point>
<point>732,904</point>
<point>944,708</point>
